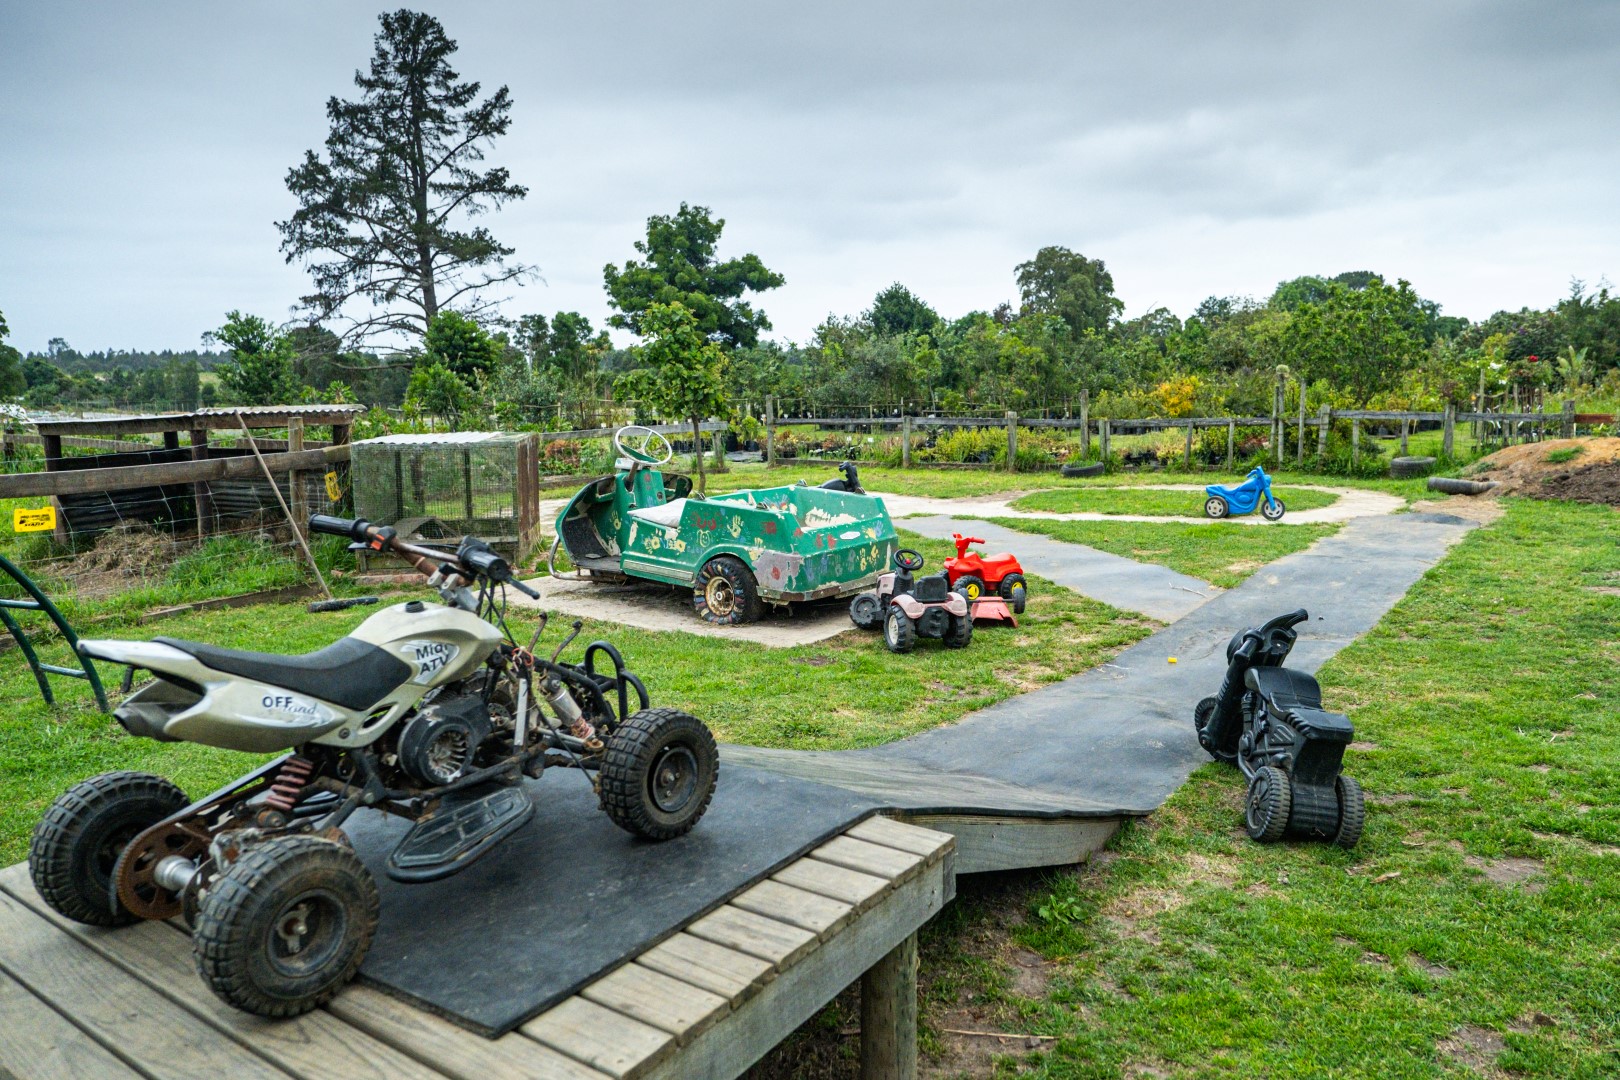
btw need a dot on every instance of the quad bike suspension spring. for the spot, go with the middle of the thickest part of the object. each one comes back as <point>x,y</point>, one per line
<point>291,780</point>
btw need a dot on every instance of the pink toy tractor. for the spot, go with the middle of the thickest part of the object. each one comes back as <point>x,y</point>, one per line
<point>908,607</point>
<point>974,575</point>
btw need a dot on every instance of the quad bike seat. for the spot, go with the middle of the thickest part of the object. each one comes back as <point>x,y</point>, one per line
<point>352,673</point>
<point>1284,688</point>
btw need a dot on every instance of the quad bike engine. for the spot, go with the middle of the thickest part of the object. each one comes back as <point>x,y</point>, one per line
<point>439,743</point>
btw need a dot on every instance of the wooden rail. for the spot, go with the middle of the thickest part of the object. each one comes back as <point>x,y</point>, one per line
<point>128,477</point>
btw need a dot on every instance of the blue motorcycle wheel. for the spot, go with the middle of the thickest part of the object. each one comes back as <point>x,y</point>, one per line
<point>1273,510</point>
<point>1216,507</point>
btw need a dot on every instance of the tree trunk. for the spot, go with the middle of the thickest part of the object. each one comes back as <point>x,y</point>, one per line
<point>697,447</point>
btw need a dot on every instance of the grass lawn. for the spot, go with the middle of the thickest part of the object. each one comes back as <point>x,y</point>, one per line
<point>845,692</point>
<point>1222,553</point>
<point>1151,501</point>
<point>1474,930</point>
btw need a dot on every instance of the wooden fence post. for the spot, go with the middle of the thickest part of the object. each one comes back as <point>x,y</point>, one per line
<point>905,442</point>
<point>770,430</point>
<point>1322,431</point>
<point>1569,419</point>
<point>1277,422</point>
<point>1012,441</point>
<point>1355,442</point>
<point>1102,438</point>
<point>295,478</point>
<point>1085,425</point>
<point>889,1015</point>
<point>1301,456</point>
<point>1187,463</point>
<point>1448,429</point>
<point>1405,424</point>
<point>1231,441</point>
<point>199,490</point>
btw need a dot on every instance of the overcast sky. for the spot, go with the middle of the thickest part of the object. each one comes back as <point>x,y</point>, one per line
<point>1197,148</point>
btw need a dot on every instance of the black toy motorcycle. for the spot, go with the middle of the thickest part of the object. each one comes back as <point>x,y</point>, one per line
<point>1269,722</point>
<point>851,481</point>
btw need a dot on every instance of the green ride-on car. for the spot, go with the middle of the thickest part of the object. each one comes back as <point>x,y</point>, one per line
<point>737,552</point>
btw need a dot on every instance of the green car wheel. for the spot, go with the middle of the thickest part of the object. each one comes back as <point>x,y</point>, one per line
<point>726,593</point>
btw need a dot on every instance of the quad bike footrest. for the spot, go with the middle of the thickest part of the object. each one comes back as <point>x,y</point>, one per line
<point>464,827</point>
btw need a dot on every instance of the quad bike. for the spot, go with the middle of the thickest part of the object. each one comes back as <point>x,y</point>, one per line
<point>908,607</point>
<point>1269,722</point>
<point>430,712</point>
<point>1223,501</point>
<point>973,575</point>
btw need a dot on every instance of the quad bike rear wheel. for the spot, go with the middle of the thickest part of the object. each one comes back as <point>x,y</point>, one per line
<point>77,844</point>
<point>899,632</point>
<point>866,611</point>
<point>1217,507</point>
<point>658,773</point>
<point>1273,510</point>
<point>1352,811</point>
<point>970,586</point>
<point>285,926</point>
<point>1271,799</point>
<point>726,593</point>
<point>960,633</point>
<point>1013,590</point>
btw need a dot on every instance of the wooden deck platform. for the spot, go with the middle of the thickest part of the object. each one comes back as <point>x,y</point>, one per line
<point>708,1001</point>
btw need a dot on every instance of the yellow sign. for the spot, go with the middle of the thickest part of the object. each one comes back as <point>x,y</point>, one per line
<point>333,491</point>
<point>40,520</point>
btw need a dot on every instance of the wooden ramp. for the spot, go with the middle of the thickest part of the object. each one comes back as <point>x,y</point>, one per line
<point>708,1001</point>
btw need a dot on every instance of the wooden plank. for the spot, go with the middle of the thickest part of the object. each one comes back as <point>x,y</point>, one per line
<point>316,1043</point>
<point>868,858</point>
<point>755,935</point>
<point>727,972</point>
<point>838,882</point>
<point>821,915</point>
<point>888,832</point>
<point>38,1044</point>
<point>152,1033</point>
<point>600,1037</point>
<point>452,1050</point>
<point>987,843</point>
<point>127,477</point>
<point>795,995</point>
<point>664,1001</point>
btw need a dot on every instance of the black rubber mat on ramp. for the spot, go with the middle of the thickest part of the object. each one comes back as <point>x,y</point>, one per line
<point>570,895</point>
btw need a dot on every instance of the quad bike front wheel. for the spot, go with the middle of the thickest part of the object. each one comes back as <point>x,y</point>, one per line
<point>658,773</point>
<point>970,586</point>
<point>866,611</point>
<point>1013,590</point>
<point>76,845</point>
<point>1217,507</point>
<point>899,632</point>
<point>726,593</point>
<point>1273,510</point>
<point>1270,801</point>
<point>285,926</point>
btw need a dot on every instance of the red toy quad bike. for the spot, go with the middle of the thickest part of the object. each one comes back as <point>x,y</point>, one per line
<point>973,575</point>
<point>909,607</point>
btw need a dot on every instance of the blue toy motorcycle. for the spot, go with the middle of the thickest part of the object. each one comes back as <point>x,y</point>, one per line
<point>1254,492</point>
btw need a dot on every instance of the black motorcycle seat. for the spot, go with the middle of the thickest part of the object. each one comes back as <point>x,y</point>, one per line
<point>1284,689</point>
<point>352,673</point>
<point>1321,726</point>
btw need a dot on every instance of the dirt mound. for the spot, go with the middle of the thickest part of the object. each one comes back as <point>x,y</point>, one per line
<point>1548,470</point>
<point>122,557</point>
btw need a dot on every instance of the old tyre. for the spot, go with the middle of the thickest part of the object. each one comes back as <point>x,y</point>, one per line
<point>658,773</point>
<point>970,586</point>
<point>1094,468</point>
<point>1273,510</point>
<point>1403,467</point>
<point>1014,590</point>
<point>285,926</point>
<point>1449,486</point>
<point>866,611</point>
<point>1352,811</point>
<point>899,633</point>
<point>960,633</point>
<point>77,843</point>
<point>1271,797</point>
<point>1202,714</point>
<point>726,593</point>
<point>1217,507</point>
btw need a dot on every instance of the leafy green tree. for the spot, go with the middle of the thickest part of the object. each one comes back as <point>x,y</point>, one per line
<point>897,310</point>
<point>260,368</point>
<point>566,344</point>
<point>436,391</point>
<point>384,217</point>
<point>679,266</point>
<point>461,345</point>
<point>680,372</point>
<point>12,381</point>
<point>1078,290</point>
<point>1361,339</point>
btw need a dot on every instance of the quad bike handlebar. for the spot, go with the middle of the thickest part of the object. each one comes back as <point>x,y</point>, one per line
<point>476,557</point>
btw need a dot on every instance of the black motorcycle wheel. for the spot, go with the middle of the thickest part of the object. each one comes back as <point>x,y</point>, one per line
<point>1203,713</point>
<point>960,632</point>
<point>1273,510</point>
<point>658,773</point>
<point>866,611</point>
<point>899,632</point>
<point>1216,507</point>
<point>1352,811</point>
<point>1014,590</point>
<point>285,926</point>
<point>726,593</point>
<point>970,586</point>
<point>77,843</point>
<point>1271,798</point>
